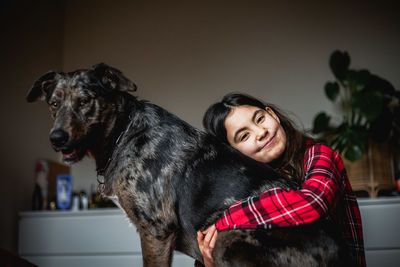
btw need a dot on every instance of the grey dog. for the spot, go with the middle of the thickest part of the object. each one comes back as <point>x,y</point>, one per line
<point>170,178</point>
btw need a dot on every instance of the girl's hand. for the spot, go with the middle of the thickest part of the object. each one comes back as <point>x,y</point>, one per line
<point>206,240</point>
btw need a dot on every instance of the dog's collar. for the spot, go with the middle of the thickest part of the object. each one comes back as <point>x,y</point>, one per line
<point>101,171</point>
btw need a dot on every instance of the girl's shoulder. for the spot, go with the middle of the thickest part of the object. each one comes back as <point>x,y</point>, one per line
<point>321,153</point>
<point>313,148</point>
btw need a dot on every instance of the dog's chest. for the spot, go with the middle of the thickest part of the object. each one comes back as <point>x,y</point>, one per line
<point>152,211</point>
<point>144,188</point>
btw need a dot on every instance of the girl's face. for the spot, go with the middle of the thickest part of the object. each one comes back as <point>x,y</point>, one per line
<point>256,132</point>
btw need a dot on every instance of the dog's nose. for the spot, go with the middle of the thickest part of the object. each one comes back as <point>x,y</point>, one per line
<point>59,138</point>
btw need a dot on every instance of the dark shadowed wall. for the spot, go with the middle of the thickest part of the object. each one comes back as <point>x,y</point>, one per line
<point>183,55</point>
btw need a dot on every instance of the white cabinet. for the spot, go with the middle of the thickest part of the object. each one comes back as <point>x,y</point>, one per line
<point>106,237</point>
<point>381,228</point>
<point>86,238</point>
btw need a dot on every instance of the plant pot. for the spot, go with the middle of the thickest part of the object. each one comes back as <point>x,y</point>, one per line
<point>374,171</point>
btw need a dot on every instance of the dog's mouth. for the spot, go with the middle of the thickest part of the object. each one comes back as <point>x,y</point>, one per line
<point>72,155</point>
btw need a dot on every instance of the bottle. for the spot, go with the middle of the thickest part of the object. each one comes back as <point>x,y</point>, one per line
<point>75,202</point>
<point>83,200</point>
<point>37,200</point>
<point>92,198</point>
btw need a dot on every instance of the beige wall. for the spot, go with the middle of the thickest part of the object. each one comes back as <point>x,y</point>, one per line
<point>183,55</point>
<point>31,43</point>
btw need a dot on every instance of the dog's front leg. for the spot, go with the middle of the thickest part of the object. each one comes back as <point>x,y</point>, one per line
<point>157,251</point>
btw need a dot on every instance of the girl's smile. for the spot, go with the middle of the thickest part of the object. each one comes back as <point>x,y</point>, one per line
<point>256,132</point>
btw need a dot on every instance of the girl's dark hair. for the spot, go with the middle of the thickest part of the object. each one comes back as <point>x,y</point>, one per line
<point>290,164</point>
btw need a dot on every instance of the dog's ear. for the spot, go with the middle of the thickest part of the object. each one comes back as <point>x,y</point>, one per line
<point>112,78</point>
<point>42,87</point>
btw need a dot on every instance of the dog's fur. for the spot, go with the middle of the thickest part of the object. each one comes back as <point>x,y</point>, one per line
<point>170,178</point>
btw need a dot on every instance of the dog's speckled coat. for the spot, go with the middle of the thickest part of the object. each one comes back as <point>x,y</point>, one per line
<point>170,178</point>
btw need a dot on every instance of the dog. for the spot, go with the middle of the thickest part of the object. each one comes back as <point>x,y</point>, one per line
<point>170,178</point>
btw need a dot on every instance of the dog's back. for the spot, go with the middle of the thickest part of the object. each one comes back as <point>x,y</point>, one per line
<point>197,178</point>
<point>170,178</point>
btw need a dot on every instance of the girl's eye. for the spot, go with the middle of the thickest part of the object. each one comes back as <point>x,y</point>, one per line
<point>244,136</point>
<point>260,119</point>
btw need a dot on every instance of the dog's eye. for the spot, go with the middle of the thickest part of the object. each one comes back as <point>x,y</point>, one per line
<point>83,102</point>
<point>54,105</point>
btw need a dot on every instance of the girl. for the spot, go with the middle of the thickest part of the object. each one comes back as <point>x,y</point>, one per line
<point>265,134</point>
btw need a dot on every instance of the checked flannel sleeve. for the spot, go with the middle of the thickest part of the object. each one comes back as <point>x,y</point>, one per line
<point>280,207</point>
<point>326,184</point>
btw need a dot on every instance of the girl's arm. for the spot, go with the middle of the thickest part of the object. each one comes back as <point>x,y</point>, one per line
<point>279,207</point>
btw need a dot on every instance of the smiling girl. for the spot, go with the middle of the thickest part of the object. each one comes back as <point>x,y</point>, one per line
<point>265,134</point>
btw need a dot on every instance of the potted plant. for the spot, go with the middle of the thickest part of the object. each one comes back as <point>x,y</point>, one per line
<point>370,106</point>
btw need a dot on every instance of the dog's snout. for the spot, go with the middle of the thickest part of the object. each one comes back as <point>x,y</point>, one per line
<point>59,138</point>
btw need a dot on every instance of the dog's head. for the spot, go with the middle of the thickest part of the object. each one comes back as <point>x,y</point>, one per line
<point>81,103</point>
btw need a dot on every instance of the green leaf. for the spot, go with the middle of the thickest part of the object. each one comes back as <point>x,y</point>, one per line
<point>382,85</point>
<point>368,104</point>
<point>339,63</point>
<point>341,128</point>
<point>321,123</point>
<point>332,90</point>
<point>353,152</point>
<point>357,79</point>
<point>382,127</point>
<point>338,143</point>
<point>363,77</point>
<point>353,142</point>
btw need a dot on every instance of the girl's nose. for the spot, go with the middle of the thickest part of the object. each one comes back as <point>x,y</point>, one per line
<point>261,133</point>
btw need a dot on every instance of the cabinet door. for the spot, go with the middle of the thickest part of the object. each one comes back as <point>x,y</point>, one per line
<point>91,238</point>
<point>380,219</point>
<point>180,260</point>
<point>86,261</point>
<point>80,233</point>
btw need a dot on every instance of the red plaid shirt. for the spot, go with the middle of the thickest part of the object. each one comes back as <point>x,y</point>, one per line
<point>326,190</point>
